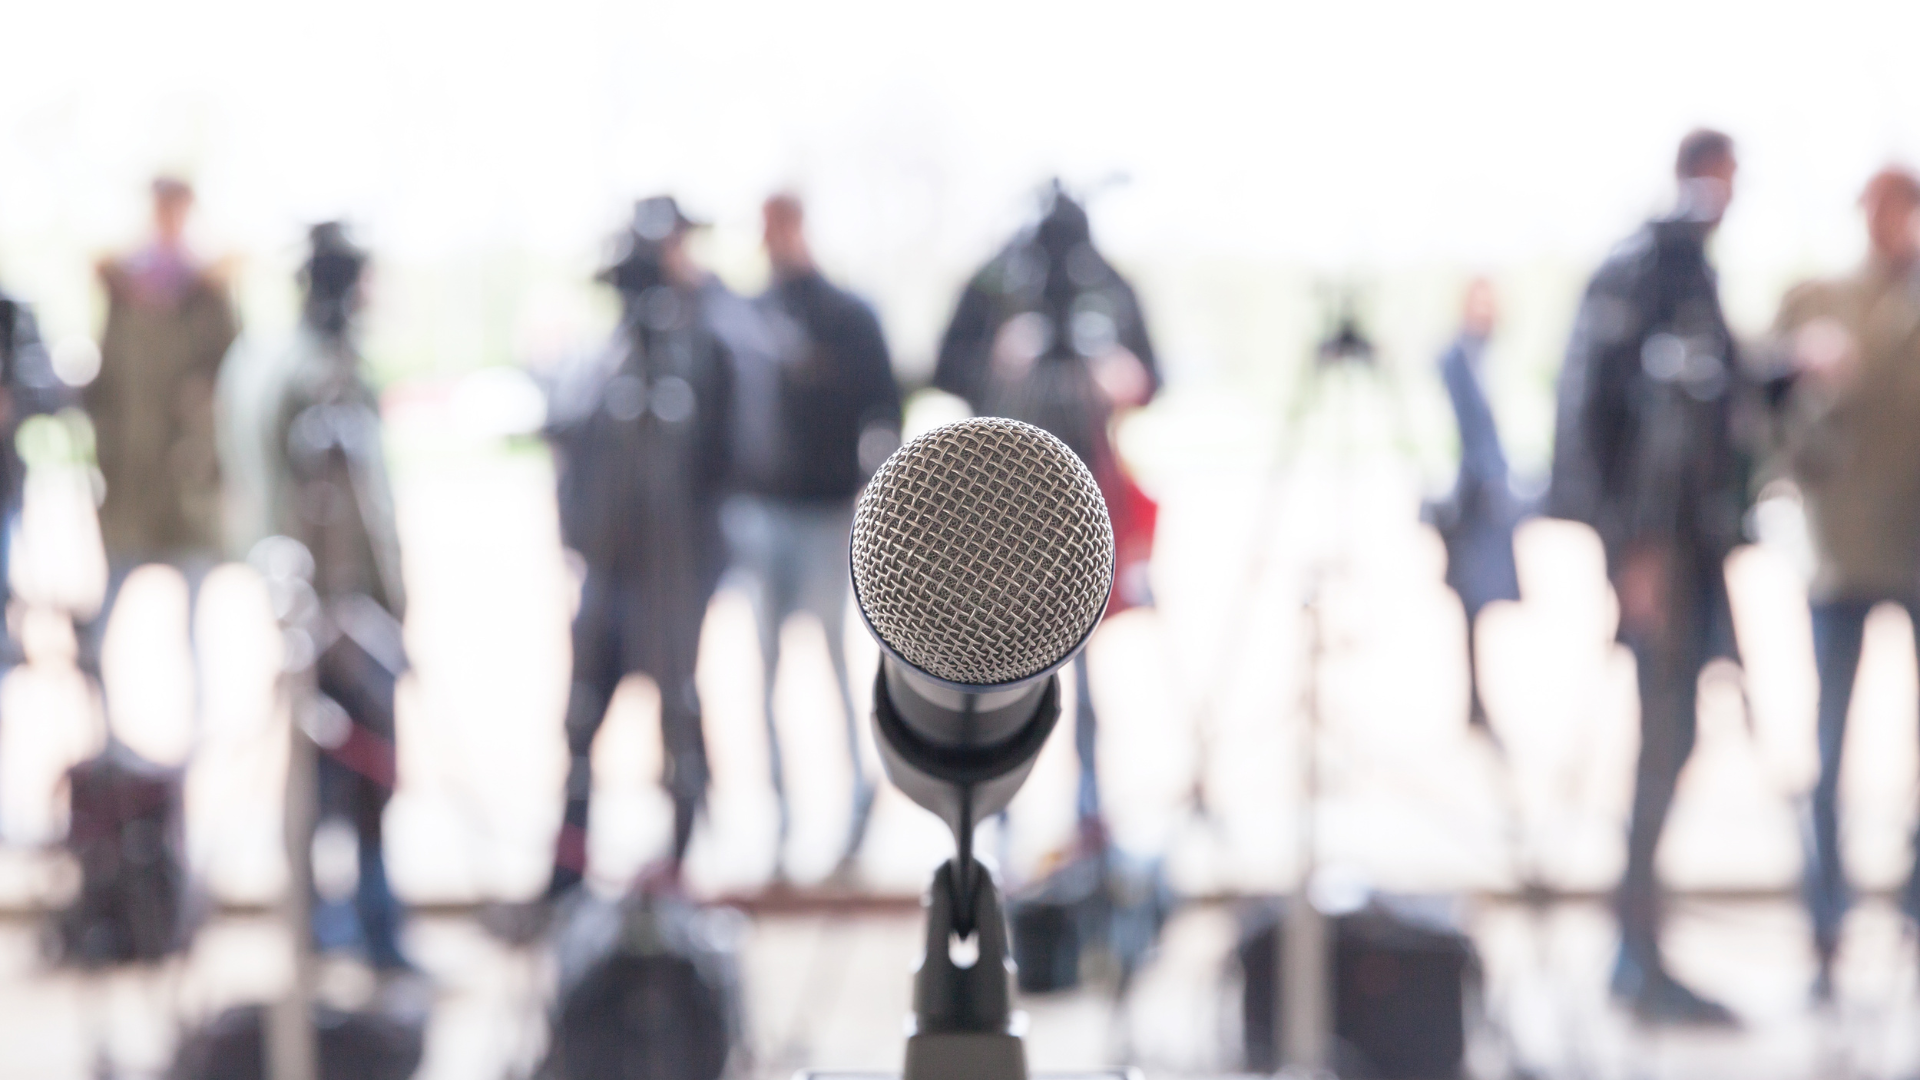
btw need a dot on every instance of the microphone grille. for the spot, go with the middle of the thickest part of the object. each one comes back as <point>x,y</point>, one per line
<point>982,552</point>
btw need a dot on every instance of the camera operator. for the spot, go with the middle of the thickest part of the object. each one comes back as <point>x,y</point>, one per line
<point>640,439</point>
<point>1853,419</point>
<point>1645,454</point>
<point>825,414</point>
<point>1049,332</point>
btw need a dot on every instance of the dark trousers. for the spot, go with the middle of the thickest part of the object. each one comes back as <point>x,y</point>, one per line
<point>795,554</point>
<point>375,916</point>
<point>629,625</point>
<point>1839,627</point>
<point>357,773</point>
<point>1669,663</point>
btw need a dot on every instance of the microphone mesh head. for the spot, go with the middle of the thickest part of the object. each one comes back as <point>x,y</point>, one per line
<point>982,553</point>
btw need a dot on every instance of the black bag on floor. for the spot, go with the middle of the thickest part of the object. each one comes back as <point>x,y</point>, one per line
<point>125,832</point>
<point>1403,970</point>
<point>649,989</point>
<point>352,1045</point>
<point>1110,901</point>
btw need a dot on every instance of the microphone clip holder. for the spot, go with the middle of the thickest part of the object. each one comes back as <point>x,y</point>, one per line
<point>963,1013</point>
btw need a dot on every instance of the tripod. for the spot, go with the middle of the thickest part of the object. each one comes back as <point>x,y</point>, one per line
<point>1332,396</point>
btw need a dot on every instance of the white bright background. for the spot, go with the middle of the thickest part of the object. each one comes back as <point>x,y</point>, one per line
<point>493,146</point>
<point>1272,154</point>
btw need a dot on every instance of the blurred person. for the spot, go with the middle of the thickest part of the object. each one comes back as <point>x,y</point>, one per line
<point>641,442</point>
<point>327,486</point>
<point>813,424</point>
<point>1853,417</point>
<point>1049,332</point>
<point>1477,518</point>
<point>1644,453</point>
<point>169,326</point>
<point>28,387</point>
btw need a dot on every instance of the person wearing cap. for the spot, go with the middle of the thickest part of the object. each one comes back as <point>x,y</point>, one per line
<point>316,440</point>
<point>1853,449</point>
<point>814,419</point>
<point>1645,454</point>
<point>169,326</point>
<point>641,442</point>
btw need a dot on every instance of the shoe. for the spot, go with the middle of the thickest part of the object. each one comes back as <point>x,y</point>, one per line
<point>863,797</point>
<point>1667,1001</point>
<point>846,874</point>
<point>1822,992</point>
<point>1656,997</point>
<point>661,877</point>
<point>518,923</point>
<point>389,961</point>
<point>1091,837</point>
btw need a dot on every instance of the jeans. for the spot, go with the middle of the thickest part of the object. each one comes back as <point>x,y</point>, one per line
<point>794,553</point>
<point>1086,736</point>
<point>1839,628</point>
<point>374,917</point>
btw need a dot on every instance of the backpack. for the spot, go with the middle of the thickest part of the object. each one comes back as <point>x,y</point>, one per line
<point>126,833</point>
<point>352,1046</point>
<point>649,989</point>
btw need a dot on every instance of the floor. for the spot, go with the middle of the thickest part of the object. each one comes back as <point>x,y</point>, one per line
<point>1302,614</point>
<point>832,991</point>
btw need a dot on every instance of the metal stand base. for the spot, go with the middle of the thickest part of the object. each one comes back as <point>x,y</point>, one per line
<point>1097,1074</point>
<point>965,1056</point>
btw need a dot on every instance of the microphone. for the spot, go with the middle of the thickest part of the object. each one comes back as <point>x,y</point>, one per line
<point>982,557</point>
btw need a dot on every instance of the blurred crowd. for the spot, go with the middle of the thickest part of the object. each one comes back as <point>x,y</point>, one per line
<point>717,431</point>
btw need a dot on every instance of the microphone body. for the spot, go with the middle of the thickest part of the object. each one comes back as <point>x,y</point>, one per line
<point>982,558</point>
<point>959,754</point>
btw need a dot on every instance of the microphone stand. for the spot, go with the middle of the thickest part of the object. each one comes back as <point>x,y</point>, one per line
<point>963,1022</point>
<point>1304,1022</point>
<point>1305,1019</point>
<point>964,1026</point>
<point>292,1045</point>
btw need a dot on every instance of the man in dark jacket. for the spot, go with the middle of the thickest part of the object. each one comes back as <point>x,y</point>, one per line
<point>641,441</point>
<point>817,414</point>
<point>1049,332</point>
<point>1645,454</point>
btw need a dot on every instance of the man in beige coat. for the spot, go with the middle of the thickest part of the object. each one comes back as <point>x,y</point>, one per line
<point>169,324</point>
<point>1854,442</point>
